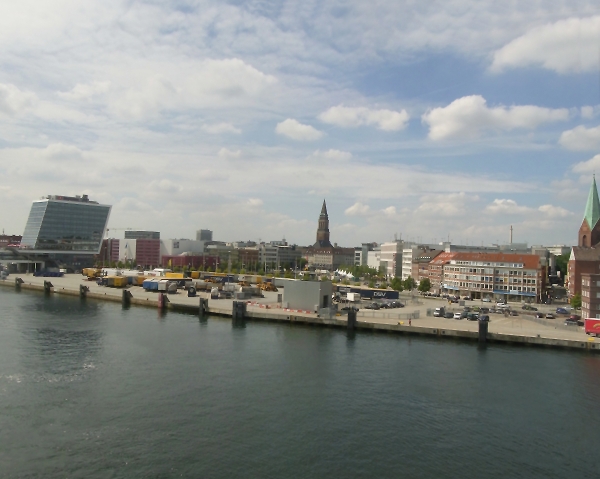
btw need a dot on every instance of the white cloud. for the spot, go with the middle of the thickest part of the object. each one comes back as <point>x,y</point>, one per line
<point>62,152</point>
<point>506,206</point>
<point>588,112</point>
<point>357,209</point>
<point>297,131</point>
<point>226,153</point>
<point>14,101</point>
<point>387,120</point>
<point>590,166</point>
<point>254,202</point>
<point>332,154</point>
<point>389,211</point>
<point>469,116</point>
<point>218,128</point>
<point>440,205</point>
<point>555,211</point>
<point>566,46</point>
<point>581,138</point>
<point>86,91</point>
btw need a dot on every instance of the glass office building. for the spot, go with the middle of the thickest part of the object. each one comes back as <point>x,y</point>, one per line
<point>64,224</point>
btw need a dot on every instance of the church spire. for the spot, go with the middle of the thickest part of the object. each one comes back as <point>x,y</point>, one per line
<point>592,209</point>
<point>324,209</point>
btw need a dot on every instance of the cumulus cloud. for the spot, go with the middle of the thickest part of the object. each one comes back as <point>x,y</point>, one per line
<point>218,128</point>
<point>590,166</point>
<point>226,153</point>
<point>387,120</point>
<point>555,211</point>
<point>332,154</point>
<point>565,46</point>
<point>506,206</point>
<point>297,131</point>
<point>357,209</point>
<point>454,204</point>
<point>389,211</point>
<point>469,116</point>
<point>254,202</point>
<point>511,207</point>
<point>62,152</point>
<point>13,101</point>
<point>86,91</point>
<point>581,138</point>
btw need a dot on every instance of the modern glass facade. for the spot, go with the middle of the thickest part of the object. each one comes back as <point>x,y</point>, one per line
<point>65,226</point>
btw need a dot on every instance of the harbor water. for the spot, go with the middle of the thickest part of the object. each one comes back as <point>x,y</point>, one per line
<point>91,390</point>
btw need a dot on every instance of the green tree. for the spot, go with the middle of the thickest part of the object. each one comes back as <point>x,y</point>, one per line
<point>576,301</point>
<point>384,285</point>
<point>324,277</point>
<point>397,284</point>
<point>562,262</point>
<point>424,285</point>
<point>410,283</point>
<point>371,284</point>
<point>288,274</point>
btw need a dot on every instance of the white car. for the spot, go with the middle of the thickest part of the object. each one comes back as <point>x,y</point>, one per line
<point>486,300</point>
<point>456,315</point>
<point>502,305</point>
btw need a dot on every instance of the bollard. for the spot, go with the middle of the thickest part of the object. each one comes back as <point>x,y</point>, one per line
<point>162,301</point>
<point>18,283</point>
<point>48,287</point>
<point>202,307</point>
<point>191,292</point>
<point>352,320</point>
<point>483,330</point>
<point>83,291</point>
<point>238,312</point>
<point>126,298</point>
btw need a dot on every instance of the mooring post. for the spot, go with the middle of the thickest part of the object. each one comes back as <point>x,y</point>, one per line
<point>352,320</point>
<point>83,291</point>
<point>202,307</point>
<point>126,298</point>
<point>18,283</point>
<point>483,330</point>
<point>48,287</point>
<point>238,312</point>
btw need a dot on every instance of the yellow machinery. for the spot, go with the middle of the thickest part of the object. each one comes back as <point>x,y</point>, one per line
<point>267,287</point>
<point>174,275</point>
<point>116,281</point>
<point>91,273</point>
<point>195,274</point>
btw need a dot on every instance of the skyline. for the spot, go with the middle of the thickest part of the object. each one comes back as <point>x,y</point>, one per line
<point>424,121</point>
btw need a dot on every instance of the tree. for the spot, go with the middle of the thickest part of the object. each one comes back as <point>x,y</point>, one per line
<point>576,301</point>
<point>397,284</point>
<point>324,277</point>
<point>410,283</point>
<point>424,285</point>
<point>562,262</point>
<point>371,284</point>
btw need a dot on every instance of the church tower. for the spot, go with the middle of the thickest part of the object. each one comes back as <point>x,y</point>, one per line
<point>589,233</point>
<point>323,229</point>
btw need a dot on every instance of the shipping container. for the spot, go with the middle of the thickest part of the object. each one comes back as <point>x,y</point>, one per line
<point>592,327</point>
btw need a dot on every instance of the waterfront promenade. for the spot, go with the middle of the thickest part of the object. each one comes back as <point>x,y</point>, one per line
<point>520,329</point>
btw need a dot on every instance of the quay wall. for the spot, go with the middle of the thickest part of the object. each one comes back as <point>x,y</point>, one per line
<point>260,314</point>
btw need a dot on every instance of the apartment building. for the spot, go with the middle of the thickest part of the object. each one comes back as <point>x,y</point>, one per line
<point>590,295</point>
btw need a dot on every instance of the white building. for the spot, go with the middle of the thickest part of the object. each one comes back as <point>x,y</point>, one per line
<point>392,256</point>
<point>175,247</point>
<point>374,258</point>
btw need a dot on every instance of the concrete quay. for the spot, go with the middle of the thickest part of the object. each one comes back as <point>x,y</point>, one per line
<point>516,330</point>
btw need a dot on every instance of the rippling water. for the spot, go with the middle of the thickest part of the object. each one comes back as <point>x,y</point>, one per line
<point>88,389</point>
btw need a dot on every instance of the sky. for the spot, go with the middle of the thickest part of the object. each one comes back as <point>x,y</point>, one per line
<point>421,120</point>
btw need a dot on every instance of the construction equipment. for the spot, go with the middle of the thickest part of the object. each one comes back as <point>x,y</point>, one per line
<point>268,287</point>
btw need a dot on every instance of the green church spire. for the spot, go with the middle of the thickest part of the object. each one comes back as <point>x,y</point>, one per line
<point>592,209</point>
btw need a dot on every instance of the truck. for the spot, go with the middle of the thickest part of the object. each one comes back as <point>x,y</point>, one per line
<point>592,327</point>
<point>353,297</point>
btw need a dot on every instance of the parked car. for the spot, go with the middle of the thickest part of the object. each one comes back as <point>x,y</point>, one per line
<point>502,305</point>
<point>457,315</point>
<point>486,300</point>
<point>513,313</point>
<point>528,307</point>
<point>539,315</point>
<point>439,312</point>
<point>570,322</point>
<point>449,315</point>
<point>550,316</point>
<point>472,316</point>
<point>467,298</point>
<point>372,306</point>
<point>561,311</point>
<point>396,304</point>
<point>484,310</point>
<point>463,315</point>
<point>577,319</point>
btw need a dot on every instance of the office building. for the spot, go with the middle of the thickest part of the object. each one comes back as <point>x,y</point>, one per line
<point>204,235</point>
<point>65,225</point>
<point>135,235</point>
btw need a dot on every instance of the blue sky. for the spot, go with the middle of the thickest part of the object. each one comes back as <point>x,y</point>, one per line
<point>421,119</point>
